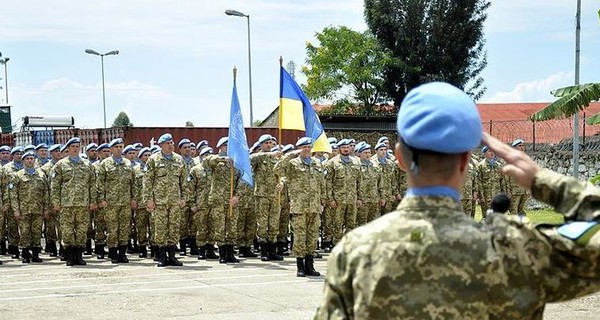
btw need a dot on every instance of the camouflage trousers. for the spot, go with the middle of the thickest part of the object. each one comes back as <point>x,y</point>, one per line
<point>484,203</point>
<point>30,227</point>
<point>284,224</point>
<point>390,205</point>
<point>166,220</point>
<point>468,206</point>
<point>91,233</point>
<point>118,225</point>
<point>142,226</point>
<point>187,226</point>
<point>268,213</point>
<point>100,225</point>
<point>12,228</point>
<point>73,225</point>
<point>327,218</point>
<point>369,211</point>
<point>224,224</point>
<point>51,228</point>
<point>305,227</point>
<point>204,234</point>
<point>344,220</point>
<point>2,225</point>
<point>517,203</point>
<point>246,225</point>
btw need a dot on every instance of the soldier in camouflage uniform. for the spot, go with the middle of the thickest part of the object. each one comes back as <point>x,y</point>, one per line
<point>30,203</point>
<point>117,193</point>
<point>222,221</point>
<point>518,194</point>
<point>187,230</point>
<point>267,199</point>
<point>41,154</point>
<point>52,228</point>
<point>370,187</point>
<point>468,193</point>
<point>164,190</point>
<point>199,191</point>
<point>304,176</point>
<point>99,215</point>
<point>490,180</point>
<point>428,260</point>
<point>142,217</point>
<point>4,156</point>
<point>73,193</point>
<point>343,184</point>
<point>12,226</point>
<point>284,217</point>
<point>91,154</point>
<point>389,180</point>
<point>327,215</point>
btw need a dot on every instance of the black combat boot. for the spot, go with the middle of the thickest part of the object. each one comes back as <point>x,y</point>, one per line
<point>230,254</point>
<point>51,246</point>
<point>122,257</point>
<point>100,252</point>
<point>78,256</point>
<point>264,252</point>
<point>327,246</point>
<point>300,267</point>
<point>246,252</point>
<point>172,258</point>
<point>256,245</point>
<point>222,254</point>
<point>36,255</point>
<point>182,247</point>
<point>161,255</point>
<point>129,247</point>
<point>202,253</point>
<point>194,250</point>
<point>26,255</point>
<point>2,246</point>
<point>154,253</point>
<point>88,247</point>
<point>309,267</point>
<point>143,252</point>
<point>282,248</point>
<point>68,255</point>
<point>113,255</point>
<point>14,251</point>
<point>61,253</point>
<point>210,253</point>
<point>271,252</point>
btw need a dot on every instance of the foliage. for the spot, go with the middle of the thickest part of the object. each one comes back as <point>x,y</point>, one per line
<point>122,120</point>
<point>189,124</point>
<point>430,40</point>
<point>572,99</point>
<point>257,123</point>
<point>346,68</point>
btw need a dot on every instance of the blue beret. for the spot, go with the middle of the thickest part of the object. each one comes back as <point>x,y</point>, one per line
<point>155,149</point>
<point>102,146</point>
<point>222,141</point>
<point>138,145</point>
<point>287,148</point>
<point>441,118</point>
<point>142,151</point>
<point>55,147</point>
<point>485,149</point>
<point>182,142</point>
<point>28,147</point>
<point>383,139</point>
<point>193,145</point>
<point>71,141</point>
<point>164,138</point>
<point>380,145</point>
<point>16,149</point>
<point>352,141</point>
<point>28,154</point>
<point>275,148</point>
<point>364,147</point>
<point>128,148</point>
<point>41,146</point>
<point>63,148</point>
<point>517,142</point>
<point>201,144</point>
<point>343,142</point>
<point>91,146</point>
<point>206,150</point>
<point>304,141</point>
<point>5,149</point>
<point>254,146</point>
<point>334,146</point>
<point>115,142</point>
<point>265,138</point>
<point>332,140</point>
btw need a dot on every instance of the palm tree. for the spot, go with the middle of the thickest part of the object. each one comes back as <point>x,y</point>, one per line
<point>571,100</point>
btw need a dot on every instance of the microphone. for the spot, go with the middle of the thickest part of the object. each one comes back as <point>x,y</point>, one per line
<point>500,203</point>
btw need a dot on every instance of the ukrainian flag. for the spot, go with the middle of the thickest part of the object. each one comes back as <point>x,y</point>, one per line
<point>296,113</point>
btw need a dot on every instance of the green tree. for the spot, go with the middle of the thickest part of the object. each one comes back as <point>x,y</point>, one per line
<point>189,124</point>
<point>345,68</point>
<point>122,120</point>
<point>430,40</point>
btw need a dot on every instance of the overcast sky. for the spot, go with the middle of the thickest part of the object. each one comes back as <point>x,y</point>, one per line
<point>176,57</point>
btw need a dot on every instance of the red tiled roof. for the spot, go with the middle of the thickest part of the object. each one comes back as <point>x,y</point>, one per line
<point>520,111</point>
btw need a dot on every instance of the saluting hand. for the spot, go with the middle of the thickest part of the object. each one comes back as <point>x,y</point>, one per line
<point>518,164</point>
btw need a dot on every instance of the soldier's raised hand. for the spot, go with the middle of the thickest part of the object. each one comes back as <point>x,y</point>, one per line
<point>518,164</point>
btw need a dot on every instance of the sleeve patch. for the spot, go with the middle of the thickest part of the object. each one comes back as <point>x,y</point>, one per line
<point>575,229</point>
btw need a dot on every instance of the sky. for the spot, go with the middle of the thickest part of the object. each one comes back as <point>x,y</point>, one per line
<point>176,57</point>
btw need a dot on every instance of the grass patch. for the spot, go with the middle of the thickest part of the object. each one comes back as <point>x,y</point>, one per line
<point>536,216</point>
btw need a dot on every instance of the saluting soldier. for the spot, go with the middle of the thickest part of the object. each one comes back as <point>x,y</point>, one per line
<point>370,187</point>
<point>30,203</point>
<point>490,180</point>
<point>142,217</point>
<point>51,228</point>
<point>200,189</point>
<point>164,190</point>
<point>518,194</point>
<point>73,194</point>
<point>284,217</point>
<point>11,223</point>
<point>99,215</point>
<point>389,179</point>
<point>187,231</point>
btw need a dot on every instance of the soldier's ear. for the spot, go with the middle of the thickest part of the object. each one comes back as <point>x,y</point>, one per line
<point>398,153</point>
<point>464,162</point>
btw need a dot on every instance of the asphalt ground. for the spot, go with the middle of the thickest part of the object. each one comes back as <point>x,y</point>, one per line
<point>199,290</point>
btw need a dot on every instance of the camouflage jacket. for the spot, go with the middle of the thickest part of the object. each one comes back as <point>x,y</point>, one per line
<point>246,194</point>
<point>389,178</point>
<point>489,179</point>
<point>189,164</point>
<point>343,179</point>
<point>72,184</point>
<point>417,263</point>
<point>221,168</point>
<point>305,184</point>
<point>30,192</point>
<point>116,182</point>
<point>165,179</point>
<point>200,186</point>
<point>264,179</point>
<point>371,187</point>
<point>139,170</point>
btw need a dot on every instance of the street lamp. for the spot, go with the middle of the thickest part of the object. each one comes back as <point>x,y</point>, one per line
<point>114,52</point>
<point>4,61</point>
<point>239,14</point>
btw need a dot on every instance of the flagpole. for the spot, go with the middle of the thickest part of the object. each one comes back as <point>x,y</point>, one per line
<point>231,165</point>
<point>280,101</point>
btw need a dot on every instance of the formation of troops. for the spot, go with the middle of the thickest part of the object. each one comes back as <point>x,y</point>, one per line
<point>115,199</point>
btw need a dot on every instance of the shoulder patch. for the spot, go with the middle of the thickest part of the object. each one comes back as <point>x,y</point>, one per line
<point>575,229</point>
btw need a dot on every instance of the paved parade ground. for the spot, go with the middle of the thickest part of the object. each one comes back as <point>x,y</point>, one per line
<point>198,290</point>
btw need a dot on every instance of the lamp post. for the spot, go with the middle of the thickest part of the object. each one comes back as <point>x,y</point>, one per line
<point>4,61</point>
<point>114,52</point>
<point>239,14</point>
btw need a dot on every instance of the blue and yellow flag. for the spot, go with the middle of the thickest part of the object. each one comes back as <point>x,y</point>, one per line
<point>296,113</point>
<point>237,146</point>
